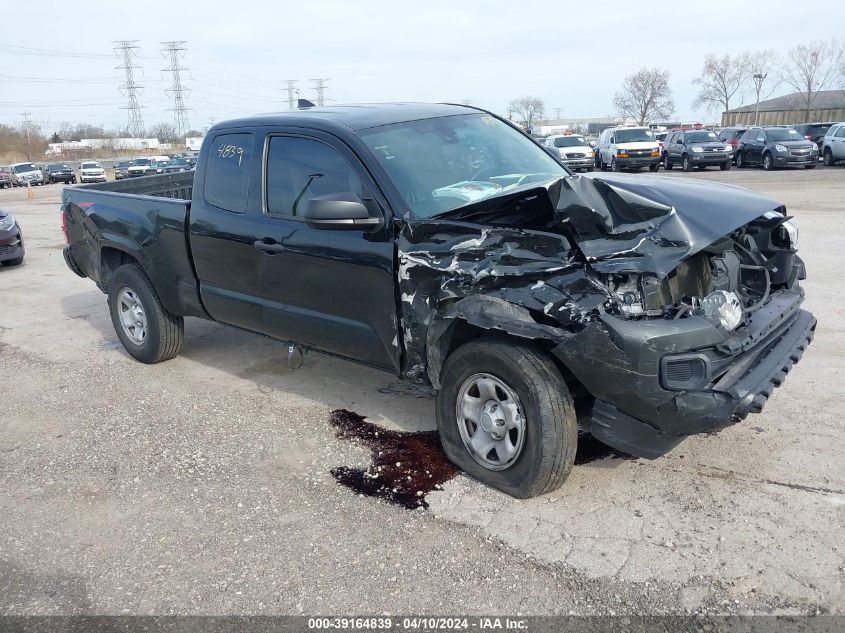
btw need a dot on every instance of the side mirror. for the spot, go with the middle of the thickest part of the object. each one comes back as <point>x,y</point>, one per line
<point>338,211</point>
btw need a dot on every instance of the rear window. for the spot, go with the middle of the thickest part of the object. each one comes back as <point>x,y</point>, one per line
<point>227,171</point>
<point>818,130</point>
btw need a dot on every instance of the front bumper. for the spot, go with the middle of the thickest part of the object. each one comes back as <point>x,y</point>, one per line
<point>622,366</point>
<point>710,158</point>
<point>638,161</point>
<point>578,163</point>
<point>91,178</point>
<point>11,244</point>
<point>792,160</point>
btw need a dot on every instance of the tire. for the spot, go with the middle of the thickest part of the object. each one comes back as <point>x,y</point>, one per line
<point>686,163</point>
<point>768,163</point>
<point>654,167</point>
<point>589,169</point>
<point>828,158</point>
<point>809,166</point>
<point>163,331</point>
<point>726,166</point>
<point>13,262</point>
<point>740,160</point>
<point>614,165</point>
<point>667,164</point>
<point>550,434</point>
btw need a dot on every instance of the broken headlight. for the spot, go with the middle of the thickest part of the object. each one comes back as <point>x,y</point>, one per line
<point>723,307</point>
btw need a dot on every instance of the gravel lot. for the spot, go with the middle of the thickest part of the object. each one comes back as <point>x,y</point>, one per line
<point>203,485</point>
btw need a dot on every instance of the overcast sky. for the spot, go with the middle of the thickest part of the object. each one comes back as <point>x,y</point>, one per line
<point>572,55</point>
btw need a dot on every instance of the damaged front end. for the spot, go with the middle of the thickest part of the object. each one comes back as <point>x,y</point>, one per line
<point>674,304</point>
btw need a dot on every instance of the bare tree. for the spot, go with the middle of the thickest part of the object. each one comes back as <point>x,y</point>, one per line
<point>164,132</point>
<point>720,79</point>
<point>645,96</point>
<point>528,110</point>
<point>812,68</point>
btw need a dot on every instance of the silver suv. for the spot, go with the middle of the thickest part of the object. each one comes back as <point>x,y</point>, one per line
<point>833,145</point>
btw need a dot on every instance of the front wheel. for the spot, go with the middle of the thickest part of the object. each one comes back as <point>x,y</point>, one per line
<point>768,163</point>
<point>614,165</point>
<point>506,417</point>
<point>686,164</point>
<point>725,166</point>
<point>740,160</point>
<point>667,165</point>
<point>828,158</point>
<point>809,166</point>
<point>654,167</point>
<point>147,330</point>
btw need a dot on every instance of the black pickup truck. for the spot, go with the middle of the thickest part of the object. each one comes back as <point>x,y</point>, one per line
<point>440,243</point>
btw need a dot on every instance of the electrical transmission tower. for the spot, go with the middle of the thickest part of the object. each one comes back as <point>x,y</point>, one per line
<point>320,90</point>
<point>126,51</point>
<point>292,91</point>
<point>175,50</point>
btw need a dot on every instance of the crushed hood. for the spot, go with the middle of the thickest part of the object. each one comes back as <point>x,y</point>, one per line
<point>627,223</point>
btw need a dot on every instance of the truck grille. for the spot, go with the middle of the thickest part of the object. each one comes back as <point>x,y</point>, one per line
<point>575,155</point>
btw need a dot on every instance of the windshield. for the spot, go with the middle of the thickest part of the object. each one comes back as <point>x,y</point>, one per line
<point>90,165</point>
<point>634,136</point>
<point>444,163</point>
<point>701,137</point>
<point>140,162</point>
<point>570,141</point>
<point>179,161</point>
<point>783,134</point>
<point>22,169</point>
<point>123,163</point>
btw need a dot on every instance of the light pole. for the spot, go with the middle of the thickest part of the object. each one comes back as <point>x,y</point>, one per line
<point>759,78</point>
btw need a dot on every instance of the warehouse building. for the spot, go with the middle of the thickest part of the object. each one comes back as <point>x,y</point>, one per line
<point>828,105</point>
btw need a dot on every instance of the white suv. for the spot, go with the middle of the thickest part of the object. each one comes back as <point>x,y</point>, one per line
<point>573,150</point>
<point>833,146</point>
<point>91,172</point>
<point>627,148</point>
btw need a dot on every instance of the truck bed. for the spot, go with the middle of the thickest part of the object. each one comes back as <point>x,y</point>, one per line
<point>141,219</point>
<point>177,186</point>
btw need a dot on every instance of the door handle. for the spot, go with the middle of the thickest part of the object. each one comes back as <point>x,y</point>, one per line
<point>270,249</point>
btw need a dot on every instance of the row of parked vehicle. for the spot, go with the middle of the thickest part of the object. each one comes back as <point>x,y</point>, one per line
<point>28,173</point>
<point>633,148</point>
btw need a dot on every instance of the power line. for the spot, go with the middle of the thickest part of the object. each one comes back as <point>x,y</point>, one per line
<point>127,50</point>
<point>319,89</point>
<point>175,50</point>
<point>291,83</point>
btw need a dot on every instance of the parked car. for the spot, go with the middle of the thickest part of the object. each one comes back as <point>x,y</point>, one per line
<point>573,150</point>
<point>627,148</point>
<point>774,147</point>
<point>121,169</point>
<point>660,137</point>
<point>177,165</point>
<point>814,132</point>
<point>731,136</point>
<point>833,145</point>
<point>147,166</point>
<point>24,174</point>
<point>651,301</point>
<point>59,172</point>
<point>91,171</point>
<point>695,148</point>
<point>11,240</point>
<point>5,179</point>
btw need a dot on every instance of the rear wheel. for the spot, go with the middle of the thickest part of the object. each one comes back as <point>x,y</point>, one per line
<point>506,417</point>
<point>147,330</point>
<point>768,163</point>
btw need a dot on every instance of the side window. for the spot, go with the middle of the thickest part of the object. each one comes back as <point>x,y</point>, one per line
<point>761,137</point>
<point>299,169</point>
<point>840,133</point>
<point>227,171</point>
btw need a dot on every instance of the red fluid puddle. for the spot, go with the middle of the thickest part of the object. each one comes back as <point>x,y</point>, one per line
<point>406,466</point>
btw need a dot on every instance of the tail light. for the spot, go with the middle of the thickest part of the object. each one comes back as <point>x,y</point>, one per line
<point>64,225</point>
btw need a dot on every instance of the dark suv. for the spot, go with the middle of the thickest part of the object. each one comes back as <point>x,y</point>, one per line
<point>699,148</point>
<point>59,172</point>
<point>731,135</point>
<point>776,147</point>
<point>814,131</point>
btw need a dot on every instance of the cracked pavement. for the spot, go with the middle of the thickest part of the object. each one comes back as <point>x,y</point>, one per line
<point>202,485</point>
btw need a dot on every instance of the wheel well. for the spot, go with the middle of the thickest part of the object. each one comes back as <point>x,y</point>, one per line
<point>110,260</point>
